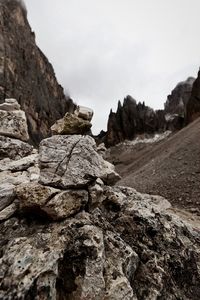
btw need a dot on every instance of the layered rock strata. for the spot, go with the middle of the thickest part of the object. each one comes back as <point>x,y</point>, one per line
<point>66,234</point>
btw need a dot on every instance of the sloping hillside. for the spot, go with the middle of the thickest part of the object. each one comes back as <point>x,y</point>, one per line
<point>170,168</point>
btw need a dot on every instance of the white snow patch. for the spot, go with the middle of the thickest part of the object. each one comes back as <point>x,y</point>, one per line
<point>156,138</point>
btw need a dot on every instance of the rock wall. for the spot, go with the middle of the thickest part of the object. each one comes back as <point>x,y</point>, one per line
<point>193,106</point>
<point>26,74</point>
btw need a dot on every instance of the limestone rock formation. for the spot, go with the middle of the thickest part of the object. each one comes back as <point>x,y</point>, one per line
<point>26,74</point>
<point>71,124</point>
<point>84,113</point>
<point>13,120</point>
<point>71,161</point>
<point>193,105</point>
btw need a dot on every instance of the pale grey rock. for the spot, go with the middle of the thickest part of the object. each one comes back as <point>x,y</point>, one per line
<point>7,212</point>
<point>106,254</point>
<point>15,178</point>
<point>96,193</point>
<point>128,200</point>
<point>72,161</point>
<point>13,148</point>
<point>84,112</point>
<point>13,124</point>
<point>92,284</point>
<point>34,173</point>
<point>6,195</point>
<point>18,165</point>
<point>120,266</point>
<point>101,149</point>
<point>10,105</point>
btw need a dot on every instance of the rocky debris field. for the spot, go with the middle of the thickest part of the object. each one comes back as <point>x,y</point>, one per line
<point>67,233</point>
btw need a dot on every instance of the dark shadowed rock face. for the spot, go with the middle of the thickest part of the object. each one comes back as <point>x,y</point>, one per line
<point>177,101</point>
<point>132,119</point>
<point>193,106</point>
<point>26,74</point>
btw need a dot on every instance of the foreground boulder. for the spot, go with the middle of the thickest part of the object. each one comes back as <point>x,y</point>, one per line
<point>72,161</point>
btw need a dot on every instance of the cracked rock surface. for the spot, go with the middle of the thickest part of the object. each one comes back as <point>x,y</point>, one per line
<point>72,161</point>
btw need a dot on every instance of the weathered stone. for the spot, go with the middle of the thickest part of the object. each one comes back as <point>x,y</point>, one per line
<point>84,113</point>
<point>34,173</point>
<point>66,204</point>
<point>72,161</point>
<point>34,195</point>
<point>13,124</point>
<point>10,105</point>
<point>96,193</point>
<point>120,266</point>
<point>52,202</point>
<point>18,165</point>
<point>15,178</point>
<point>13,148</point>
<point>7,212</point>
<point>6,195</point>
<point>71,124</point>
<point>101,149</point>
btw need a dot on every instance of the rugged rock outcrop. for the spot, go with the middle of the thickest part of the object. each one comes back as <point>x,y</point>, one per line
<point>132,119</point>
<point>88,240</point>
<point>193,105</point>
<point>26,74</point>
<point>76,123</point>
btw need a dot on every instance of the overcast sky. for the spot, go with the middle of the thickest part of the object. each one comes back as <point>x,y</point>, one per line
<point>103,50</point>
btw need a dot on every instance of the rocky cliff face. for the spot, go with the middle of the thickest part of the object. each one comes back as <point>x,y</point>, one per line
<point>193,105</point>
<point>26,74</point>
<point>66,233</point>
